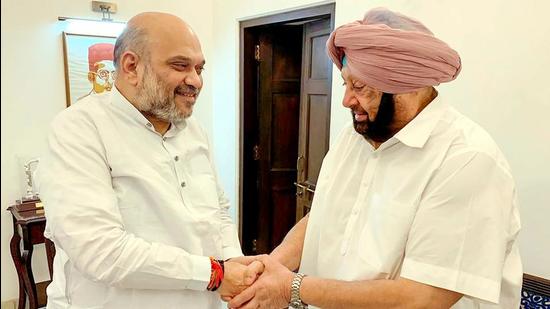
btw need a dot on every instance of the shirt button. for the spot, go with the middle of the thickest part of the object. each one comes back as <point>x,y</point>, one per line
<point>176,158</point>
<point>183,184</point>
<point>164,139</point>
<point>149,125</point>
<point>355,211</point>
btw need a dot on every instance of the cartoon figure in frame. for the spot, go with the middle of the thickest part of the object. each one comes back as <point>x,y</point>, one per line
<point>101,73</point>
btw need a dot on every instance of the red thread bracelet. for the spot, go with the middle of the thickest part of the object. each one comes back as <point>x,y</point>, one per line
<point>216,275</point>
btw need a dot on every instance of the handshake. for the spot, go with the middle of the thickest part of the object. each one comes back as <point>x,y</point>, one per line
<point>255,282</point>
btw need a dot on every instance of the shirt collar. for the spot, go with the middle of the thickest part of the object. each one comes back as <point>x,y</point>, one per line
<point>417,131</point>
<point>129,109</point>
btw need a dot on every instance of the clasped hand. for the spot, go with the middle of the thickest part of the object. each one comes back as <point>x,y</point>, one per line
<point>265,283</point>
<point>239,274</point>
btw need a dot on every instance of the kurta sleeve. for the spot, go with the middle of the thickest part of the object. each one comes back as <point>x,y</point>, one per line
<point>85,222</point>
<point>230,239</point>
<point>464,227</point>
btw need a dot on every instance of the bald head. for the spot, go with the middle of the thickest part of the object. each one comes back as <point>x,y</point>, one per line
<point>151,29</point>
<point>159,64</point>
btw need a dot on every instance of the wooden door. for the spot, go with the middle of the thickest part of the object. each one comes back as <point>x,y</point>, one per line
<point>314,112</point>
<point>279,57</point>
<point>278,118</point>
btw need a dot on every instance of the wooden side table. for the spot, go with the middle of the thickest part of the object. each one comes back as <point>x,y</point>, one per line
<point>28,230</point>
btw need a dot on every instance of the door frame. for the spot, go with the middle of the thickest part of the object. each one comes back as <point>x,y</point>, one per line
<point>247,64</point>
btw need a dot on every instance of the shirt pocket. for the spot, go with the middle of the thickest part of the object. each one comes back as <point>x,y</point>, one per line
<point>383,238</point>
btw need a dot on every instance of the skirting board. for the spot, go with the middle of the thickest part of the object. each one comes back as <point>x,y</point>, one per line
<point>9,304</point>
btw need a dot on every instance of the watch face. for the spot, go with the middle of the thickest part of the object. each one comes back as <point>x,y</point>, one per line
<point>296,305</point>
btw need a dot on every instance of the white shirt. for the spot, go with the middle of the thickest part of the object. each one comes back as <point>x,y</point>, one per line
<point>435,204</point>
<point>134,215</point>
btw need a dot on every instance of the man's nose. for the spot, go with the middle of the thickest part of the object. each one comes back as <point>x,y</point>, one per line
<point>194,79</point>
<point>349,99</point>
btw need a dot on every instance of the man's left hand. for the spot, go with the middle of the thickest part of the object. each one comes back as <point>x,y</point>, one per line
<point>271,290</point>
<point>238,277</point>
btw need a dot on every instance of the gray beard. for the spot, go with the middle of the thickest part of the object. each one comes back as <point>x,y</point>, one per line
<point>155,98</point>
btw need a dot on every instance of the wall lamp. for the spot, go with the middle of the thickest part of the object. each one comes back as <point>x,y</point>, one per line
<point>104,26</point>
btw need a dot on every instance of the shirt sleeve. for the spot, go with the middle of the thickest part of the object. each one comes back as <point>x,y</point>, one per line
<point>84,220</point>
<point>464,228</point>
<point>230,238</point>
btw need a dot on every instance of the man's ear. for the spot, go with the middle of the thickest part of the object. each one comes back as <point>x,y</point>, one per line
<point>129,67</point>
<point>91,77</point>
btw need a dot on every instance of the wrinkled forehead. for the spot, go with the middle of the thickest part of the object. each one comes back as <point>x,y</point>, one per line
<point>348,75</point>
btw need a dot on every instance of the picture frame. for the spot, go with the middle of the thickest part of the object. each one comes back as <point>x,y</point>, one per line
<point>89,65</point>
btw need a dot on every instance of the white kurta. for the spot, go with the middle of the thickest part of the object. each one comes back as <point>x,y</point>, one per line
<point>435,204</point>
<point>134,215</point>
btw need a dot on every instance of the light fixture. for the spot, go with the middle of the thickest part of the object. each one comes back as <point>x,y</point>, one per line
<point>105,8</point>
<point>105,26</point>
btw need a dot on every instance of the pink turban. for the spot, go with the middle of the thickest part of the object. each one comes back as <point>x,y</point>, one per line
<point>393,53</point>
<point>99,52</point>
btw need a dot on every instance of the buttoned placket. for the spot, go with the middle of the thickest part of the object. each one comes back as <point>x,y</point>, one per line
<point>360,201</point>
<point>175,158</point>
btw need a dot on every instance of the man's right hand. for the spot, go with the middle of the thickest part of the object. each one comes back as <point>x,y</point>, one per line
<point>239,273</point>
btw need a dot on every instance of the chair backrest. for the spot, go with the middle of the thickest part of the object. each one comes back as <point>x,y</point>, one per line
<point>535,292</point>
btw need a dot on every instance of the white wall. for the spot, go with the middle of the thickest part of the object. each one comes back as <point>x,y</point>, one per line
<point>33,89</point>
<point>504,86</point>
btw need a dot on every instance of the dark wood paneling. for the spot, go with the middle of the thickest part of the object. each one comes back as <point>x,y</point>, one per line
<point>284,203</point>
<point>319,108</point>
<point>314,111</point>
<point>319,63</point>
<point>284,140</point>
<point>270,105</point>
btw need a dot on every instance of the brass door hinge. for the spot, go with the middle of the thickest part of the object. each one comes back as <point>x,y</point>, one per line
<point>256,152</point>
<point>257,52</point>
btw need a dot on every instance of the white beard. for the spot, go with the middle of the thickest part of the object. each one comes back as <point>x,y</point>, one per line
<point>156,98</point>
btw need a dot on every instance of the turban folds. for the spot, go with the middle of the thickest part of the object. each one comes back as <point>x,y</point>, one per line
<point>99,52</point>
<point>393,53</point>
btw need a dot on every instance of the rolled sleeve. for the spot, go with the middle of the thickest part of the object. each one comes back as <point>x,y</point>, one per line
<point>452,279</point>
<point>461,232</point>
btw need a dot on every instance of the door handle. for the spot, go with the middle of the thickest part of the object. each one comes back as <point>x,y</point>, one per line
<point>299,189</point>
<point>304,187</point>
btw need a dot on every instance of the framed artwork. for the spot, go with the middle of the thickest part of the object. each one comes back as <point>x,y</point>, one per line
<point>89,65</point>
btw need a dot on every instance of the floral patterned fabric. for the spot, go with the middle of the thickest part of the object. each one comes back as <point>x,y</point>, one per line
<point>530,300</point>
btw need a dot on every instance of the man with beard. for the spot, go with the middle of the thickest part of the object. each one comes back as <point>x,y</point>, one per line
<point>132,200</point>
<point>415,205</point>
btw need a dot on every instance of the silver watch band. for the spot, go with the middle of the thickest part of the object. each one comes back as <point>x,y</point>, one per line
<point>295,300</point>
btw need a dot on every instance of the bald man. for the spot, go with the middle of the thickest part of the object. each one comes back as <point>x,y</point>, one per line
<point>132,200</point>
<point>415,204</point>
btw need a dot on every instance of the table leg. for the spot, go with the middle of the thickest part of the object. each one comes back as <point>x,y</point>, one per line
<point>15,248</point>
<point>50,254</point>
<point>28,276</point>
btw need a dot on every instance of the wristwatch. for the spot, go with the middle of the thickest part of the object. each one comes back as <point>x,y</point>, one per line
<point>295,301</point>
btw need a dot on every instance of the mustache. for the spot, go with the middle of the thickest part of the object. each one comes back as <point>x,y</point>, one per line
<point>358,111</point>
<point>187,89</point>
